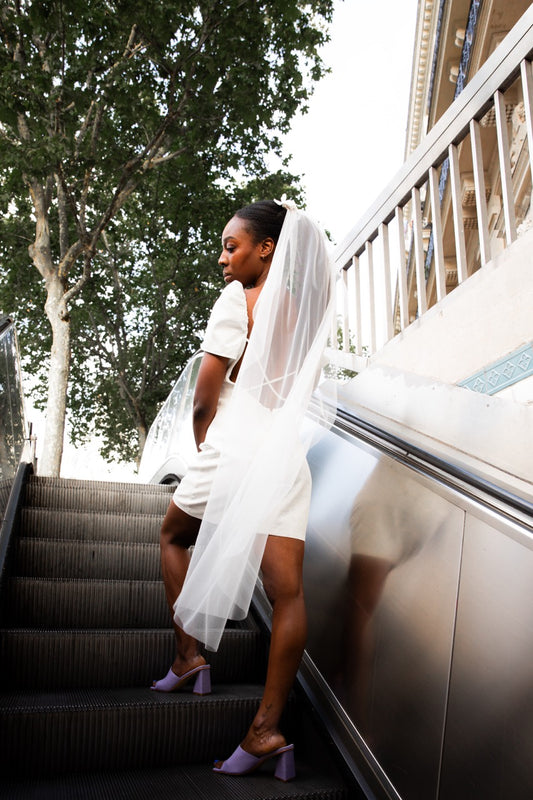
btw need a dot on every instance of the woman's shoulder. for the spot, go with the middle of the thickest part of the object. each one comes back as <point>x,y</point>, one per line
<point>231,300</point>
<point>233,287</point>
<point>228,324</point>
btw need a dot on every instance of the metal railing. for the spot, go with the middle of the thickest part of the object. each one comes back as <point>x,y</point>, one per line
<point>17,450</point>
<point>458,200</point>
<point>12,424</point>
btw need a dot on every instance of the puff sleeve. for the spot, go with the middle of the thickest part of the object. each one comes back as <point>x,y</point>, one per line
<point>227,328</point>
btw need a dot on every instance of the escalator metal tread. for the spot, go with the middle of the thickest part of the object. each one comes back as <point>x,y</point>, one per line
<point>191,782</point>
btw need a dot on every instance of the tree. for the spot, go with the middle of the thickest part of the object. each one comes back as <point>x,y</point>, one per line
<point>97,99</point>
<point>152,289</point>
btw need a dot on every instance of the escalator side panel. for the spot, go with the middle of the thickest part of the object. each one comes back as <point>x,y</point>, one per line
<point>489,731</point>
<point>381,576</point>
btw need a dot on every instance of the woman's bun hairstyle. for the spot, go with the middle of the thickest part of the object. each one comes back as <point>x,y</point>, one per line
<point>264,219</point>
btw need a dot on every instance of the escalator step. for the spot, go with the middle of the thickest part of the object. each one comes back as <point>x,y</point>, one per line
<point>91,495</point>
<point>56,558</point>
<point>102,729</point>
<point>92,525</point>
<point>116,658</point>
<point>184,783</point>
<point>77,603</point>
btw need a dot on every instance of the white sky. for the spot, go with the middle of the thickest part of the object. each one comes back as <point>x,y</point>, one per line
<point>347,148</point>
<point>351,143</point>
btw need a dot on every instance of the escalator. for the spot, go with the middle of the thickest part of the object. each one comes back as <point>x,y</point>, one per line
<point>419,583</point>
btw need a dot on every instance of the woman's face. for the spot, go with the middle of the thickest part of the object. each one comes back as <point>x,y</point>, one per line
<point>242,259</point>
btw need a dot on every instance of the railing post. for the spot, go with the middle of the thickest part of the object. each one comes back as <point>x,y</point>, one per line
<point>505,168</point>
<point>345,315</point>
<point>402,277</point>
<point>371,296</point>
<point>458,223</point>
<point>419,251</point>
<point>479,185</point>
<point>384,233</point>
<point>527,92</point>
<point>358,325</point>
<point>438,252</point>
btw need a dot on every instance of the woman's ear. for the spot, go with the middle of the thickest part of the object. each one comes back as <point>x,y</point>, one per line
<point>267,248</point>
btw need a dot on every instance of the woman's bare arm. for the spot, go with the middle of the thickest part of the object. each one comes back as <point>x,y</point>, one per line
<point>208,385</point>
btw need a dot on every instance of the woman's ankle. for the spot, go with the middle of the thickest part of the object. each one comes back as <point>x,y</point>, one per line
<point>185,662</point>
<point>259,741</point>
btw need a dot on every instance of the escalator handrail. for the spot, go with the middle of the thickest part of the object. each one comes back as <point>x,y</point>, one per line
<point>5,323</point>
<point>24,470</point>
<point>351,423</point>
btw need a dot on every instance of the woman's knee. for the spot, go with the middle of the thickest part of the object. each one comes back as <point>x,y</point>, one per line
<point>282,569</point>
<point>178,528</point>
<point>284,587</point>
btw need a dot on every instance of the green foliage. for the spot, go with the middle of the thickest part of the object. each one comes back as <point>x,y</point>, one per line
<point>342,373</point>
<point>146,124</point>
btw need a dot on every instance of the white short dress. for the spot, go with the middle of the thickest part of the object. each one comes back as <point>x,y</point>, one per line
<point>226,336</point>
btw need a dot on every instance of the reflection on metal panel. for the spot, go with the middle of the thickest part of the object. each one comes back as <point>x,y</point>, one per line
<point>11,405</point>
<point>170,442</point>
<point>381,573</point>
<point>488,749</point>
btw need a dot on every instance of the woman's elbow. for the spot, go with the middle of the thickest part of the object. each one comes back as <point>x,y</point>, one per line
<point>202,412</point>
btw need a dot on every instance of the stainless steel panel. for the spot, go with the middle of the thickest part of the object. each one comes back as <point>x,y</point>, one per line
<point>12,426</point>
<point>488,749</point>
<point>381,575</point>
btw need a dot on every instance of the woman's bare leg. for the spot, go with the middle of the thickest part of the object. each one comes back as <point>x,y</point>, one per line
<point>283,581</point>
<point>178,533</point>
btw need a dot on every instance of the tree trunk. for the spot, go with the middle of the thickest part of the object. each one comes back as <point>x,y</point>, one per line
<point>143,433</point>
<point>50,462</point>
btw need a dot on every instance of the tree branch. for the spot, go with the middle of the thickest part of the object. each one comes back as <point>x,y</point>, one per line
<point>39,250</point>
<point>78,218</point>
<point>83,130</point>
<point>86,274</point>
<point>67,262</point>
<point>62,216</point>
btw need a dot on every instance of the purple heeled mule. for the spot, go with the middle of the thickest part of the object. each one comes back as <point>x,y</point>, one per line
<point>171,681</point>
<point>242,763</point>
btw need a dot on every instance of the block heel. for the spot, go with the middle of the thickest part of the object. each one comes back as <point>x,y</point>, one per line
<point>285,768</point>
<point>202,684</point>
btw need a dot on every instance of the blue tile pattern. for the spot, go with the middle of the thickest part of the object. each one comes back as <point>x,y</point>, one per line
<point>505,372</point>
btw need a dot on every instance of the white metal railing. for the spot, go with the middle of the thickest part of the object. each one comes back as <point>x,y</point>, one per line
<point>456,203</point>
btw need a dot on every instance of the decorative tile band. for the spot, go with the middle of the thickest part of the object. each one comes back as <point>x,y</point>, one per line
<point>497,376</point>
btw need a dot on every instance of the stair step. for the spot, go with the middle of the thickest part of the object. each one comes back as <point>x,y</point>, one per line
<point>191,782</point>
<point>103,729</point>
<point>61,493</point>
<point>56,558</point>
<point>92,525</point>
<point>49,660</point>
<point>79,603</point>
<point>86,630</point>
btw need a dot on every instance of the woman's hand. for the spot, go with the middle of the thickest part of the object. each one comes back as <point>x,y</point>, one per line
<point>208,385</point>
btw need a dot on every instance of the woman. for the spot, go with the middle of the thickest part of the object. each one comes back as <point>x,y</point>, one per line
<point>244,501</point>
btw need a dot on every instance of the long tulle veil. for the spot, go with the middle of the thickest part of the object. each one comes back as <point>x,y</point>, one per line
<point>267,432</point>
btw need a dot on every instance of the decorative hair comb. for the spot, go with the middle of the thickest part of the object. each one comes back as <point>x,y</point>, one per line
<point>290,205</point>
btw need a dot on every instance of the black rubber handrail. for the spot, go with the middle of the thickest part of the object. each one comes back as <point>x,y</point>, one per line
<point>24,470</point>
<point>351,423</point>
<point>5,322</point>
